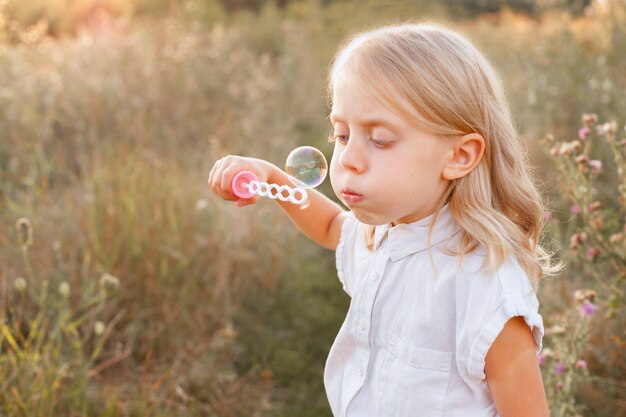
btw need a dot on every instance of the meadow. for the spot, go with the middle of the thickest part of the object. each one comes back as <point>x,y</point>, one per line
<point>128,289</point>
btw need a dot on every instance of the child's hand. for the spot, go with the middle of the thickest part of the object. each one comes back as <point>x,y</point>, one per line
<point>225,169</point>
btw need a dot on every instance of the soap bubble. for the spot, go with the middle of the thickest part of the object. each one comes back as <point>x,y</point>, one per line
<point>306,167</point>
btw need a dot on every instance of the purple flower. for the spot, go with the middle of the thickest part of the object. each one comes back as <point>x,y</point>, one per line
<point>588,309</point>
<point>582,133</point>
<point>559,368</point>
<point>581,364</point>
<point>574,209</point>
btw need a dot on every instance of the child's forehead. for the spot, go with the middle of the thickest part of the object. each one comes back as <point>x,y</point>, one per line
<point>357,101</point>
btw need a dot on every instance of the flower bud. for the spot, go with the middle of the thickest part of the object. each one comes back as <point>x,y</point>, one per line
<point>616,238</point>
<point>594,206</point>
<point>584,295</point>
<point>98,328</point>
<point>109,283</point>
<point>592,253</point>
<point>559,368</point>
<point>64,289</point>
<point>588,309</point>
<point>24,232</point>
<point>20,284</point>
<point>581,364</point>
<point>596,166</point>
<point>589,119</point>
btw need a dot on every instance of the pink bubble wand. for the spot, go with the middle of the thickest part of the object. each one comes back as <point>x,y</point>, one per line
<point>306,167</point>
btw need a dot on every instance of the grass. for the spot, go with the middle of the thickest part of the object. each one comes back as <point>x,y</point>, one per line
<point>108,135</point>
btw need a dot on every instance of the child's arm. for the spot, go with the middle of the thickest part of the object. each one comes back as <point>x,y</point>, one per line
<point>322,218</point>
<point>513,373</point>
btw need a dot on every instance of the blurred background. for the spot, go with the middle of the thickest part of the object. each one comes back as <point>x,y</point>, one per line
<point>128,289</point>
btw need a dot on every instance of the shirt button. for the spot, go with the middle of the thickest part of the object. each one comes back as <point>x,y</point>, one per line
<point>361,325</point>
<point>374,276</point>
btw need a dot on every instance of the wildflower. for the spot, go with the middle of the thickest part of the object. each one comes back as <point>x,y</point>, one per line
<point>616,238</point>
<point>574,209</point>
<point>596,166</point>
<point>20,284</point>
<point>576,240</point>
<point>559,368</point>
<point>559,386</point>
<point>592,253</point>
<point>584,295</point>
<point>583,132</point>
<point>24,232</point>
<point>596,222</point>
<point>607,128</point>
<point>64,289</point>
<point>569,147</point>
<point>594,206</point>
<point>582,159</point>
<point>109,283</point>
<point>589,119</point>
<point>588,309</point>
<point>581,364</point>
<point>98,328</point>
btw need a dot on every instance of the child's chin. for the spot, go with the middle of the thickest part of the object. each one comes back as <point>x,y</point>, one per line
<point>368,218</point>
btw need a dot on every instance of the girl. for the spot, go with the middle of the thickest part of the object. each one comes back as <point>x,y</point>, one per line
<point>439,250</point>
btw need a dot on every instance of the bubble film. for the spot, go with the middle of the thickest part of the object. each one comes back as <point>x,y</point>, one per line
<point>306,167</point>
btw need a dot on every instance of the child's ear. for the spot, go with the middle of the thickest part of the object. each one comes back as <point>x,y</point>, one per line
<point>466,154</point>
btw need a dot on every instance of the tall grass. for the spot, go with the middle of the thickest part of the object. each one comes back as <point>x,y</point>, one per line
<point>107,139</point>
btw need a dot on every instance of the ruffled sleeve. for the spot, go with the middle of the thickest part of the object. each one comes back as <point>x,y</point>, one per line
<point>345,253</point>
<point>485,302</point>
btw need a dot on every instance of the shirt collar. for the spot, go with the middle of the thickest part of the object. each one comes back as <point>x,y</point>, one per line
<point>409,238</point>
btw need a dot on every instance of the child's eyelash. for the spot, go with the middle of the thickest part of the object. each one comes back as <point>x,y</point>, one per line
<point>340,138</point>
<point>379,143</point>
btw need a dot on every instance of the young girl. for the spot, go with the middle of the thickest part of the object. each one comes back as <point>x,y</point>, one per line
<point>439,250</point>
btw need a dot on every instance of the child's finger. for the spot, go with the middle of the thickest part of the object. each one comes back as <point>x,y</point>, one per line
<point>227,178</point>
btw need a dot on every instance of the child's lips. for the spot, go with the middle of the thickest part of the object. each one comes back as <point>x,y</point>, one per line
<point>350,196</point>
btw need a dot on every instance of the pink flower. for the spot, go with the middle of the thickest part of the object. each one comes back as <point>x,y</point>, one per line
<point>582,133</point>
<point>559,368</point>
<point>596,166</point>
<point>559,386</point>
<point>574,209</point>
<point>581,364</point>
<point>588,309</point>
<point>592,253</point>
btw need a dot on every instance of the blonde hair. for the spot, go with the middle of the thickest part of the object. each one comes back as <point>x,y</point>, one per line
<point>437,80</point>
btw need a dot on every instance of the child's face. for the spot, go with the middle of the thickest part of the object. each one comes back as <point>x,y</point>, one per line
<point>388,171</point>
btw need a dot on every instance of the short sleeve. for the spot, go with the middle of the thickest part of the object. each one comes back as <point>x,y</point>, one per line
<point>345,252</point>
<point>488,302</point>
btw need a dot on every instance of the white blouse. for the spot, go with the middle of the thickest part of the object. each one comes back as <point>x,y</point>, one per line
<point>420,323</point>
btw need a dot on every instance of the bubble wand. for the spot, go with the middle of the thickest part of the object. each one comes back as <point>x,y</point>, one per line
<point>306,168</point>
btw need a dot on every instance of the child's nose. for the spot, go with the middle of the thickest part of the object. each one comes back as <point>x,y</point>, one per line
<point>352,158</point>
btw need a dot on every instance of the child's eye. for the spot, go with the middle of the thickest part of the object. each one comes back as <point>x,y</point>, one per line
<point>380,143</point>
<point>342,139</point>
